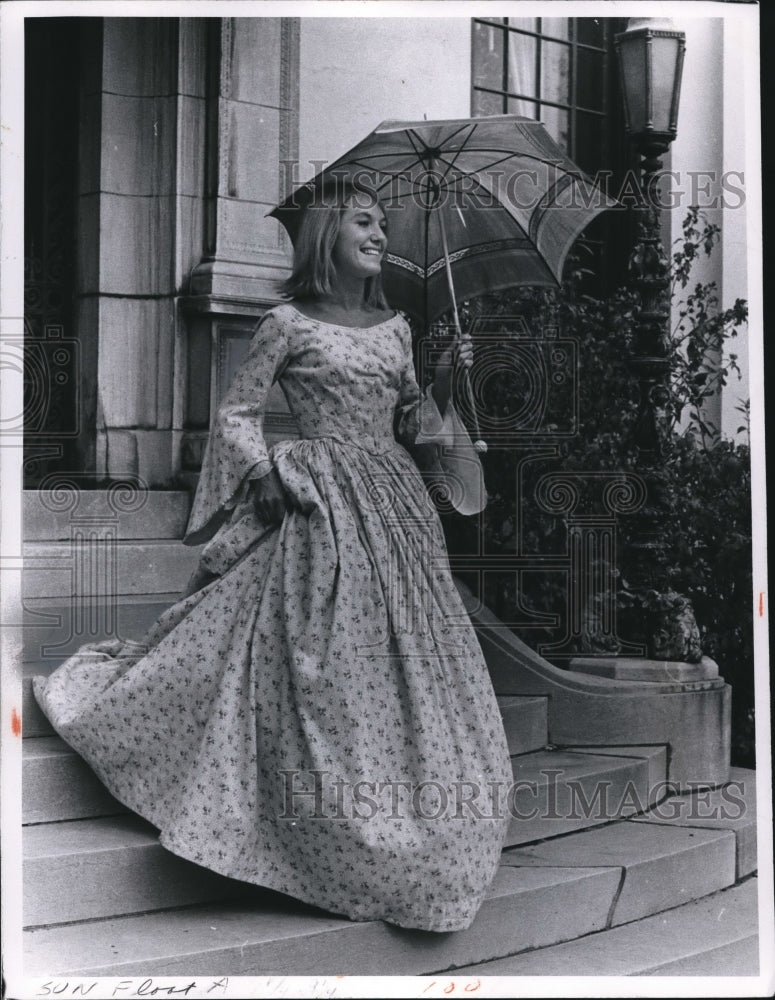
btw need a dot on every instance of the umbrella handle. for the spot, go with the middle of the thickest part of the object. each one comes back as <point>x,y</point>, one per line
<point>479,445</point>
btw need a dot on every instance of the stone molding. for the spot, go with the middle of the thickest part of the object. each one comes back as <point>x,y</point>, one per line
<point>246,251</point>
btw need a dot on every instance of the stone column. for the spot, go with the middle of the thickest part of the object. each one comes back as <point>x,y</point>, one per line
<point>251,138</point>
<point>127,240</point>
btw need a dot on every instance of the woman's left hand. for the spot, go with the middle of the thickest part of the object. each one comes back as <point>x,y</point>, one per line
<point>460,353</point>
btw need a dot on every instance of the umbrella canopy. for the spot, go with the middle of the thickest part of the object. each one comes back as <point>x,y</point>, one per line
<point>498,191</point>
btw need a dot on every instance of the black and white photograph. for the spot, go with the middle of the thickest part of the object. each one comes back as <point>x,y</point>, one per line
<point>383,584</point>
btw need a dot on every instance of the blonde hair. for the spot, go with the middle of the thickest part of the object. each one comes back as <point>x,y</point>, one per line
<point>313,267</point>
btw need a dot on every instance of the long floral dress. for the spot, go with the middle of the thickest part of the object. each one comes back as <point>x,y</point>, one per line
<point>318,719</point>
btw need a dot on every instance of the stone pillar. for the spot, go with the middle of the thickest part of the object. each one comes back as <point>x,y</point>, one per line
<point>187,125</point>
<point>127,240</point>
<point>251,138</point>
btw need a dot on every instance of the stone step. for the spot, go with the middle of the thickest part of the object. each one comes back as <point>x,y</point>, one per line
<point>61,787</point>
<point>661,866</point>
<point>558,791</point>
<point>738,958</point>
<point>713,936</point>
<point>34,722</point>
<point>523,909</point>
<point>524,720</point>
<point>57,784</point>
<point>104,568</point>
<point>634,881</point>
<point>51,515</point>
<point>106,870</point>
<point>86,869</point>
<point>554,791</point>
<point>731,807</point>
<point>54,630</point>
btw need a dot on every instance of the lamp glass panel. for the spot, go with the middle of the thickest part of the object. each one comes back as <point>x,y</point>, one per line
<point>664,59</point>
<point>633,69</point>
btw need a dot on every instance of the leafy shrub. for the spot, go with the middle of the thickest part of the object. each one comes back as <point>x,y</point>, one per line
<point>703,511</point>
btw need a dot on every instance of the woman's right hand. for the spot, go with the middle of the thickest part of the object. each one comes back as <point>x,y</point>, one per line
<point>269,498</point>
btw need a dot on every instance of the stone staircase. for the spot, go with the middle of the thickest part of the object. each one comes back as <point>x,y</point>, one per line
<point>612,866</point>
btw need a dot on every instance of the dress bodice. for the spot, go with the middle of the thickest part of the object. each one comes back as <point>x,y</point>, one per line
<point>345,382</point>
<point>356,385</point>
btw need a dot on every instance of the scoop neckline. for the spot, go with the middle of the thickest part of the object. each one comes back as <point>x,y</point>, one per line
<point>341,326</point>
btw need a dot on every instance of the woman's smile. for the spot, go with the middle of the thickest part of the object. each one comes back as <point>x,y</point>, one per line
<point>362,241</point>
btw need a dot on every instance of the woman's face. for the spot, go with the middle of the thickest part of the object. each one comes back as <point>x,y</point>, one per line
<point>362,240</point>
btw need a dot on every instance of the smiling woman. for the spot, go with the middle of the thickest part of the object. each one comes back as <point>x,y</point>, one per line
<point>338,257</point>
<point>361,242</point>
<point>315,705</point>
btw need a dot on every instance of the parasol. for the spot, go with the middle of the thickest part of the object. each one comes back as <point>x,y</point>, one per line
<point>473,205</point>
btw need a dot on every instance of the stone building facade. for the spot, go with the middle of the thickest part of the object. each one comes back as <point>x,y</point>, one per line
<point>155,148</point>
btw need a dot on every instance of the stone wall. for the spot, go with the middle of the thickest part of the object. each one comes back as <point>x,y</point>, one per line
<point>185,125</point>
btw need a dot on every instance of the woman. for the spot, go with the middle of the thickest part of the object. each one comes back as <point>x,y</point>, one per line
<point>315,716</point>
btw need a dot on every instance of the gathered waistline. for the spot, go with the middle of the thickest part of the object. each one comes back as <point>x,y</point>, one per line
<point>376,446</point>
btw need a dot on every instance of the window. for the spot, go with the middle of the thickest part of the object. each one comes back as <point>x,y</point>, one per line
<point>561,71</point>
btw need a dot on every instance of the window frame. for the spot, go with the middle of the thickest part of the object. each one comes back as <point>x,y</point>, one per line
<point>615,156</point>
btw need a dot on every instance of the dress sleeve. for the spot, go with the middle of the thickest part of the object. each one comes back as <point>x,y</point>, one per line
<point>441,446</point>
<point>236,452</point>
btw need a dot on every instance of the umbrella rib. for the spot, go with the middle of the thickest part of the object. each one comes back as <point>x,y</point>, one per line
<point>371,167</point>
<point>477,173</point>
<point>412,134</point>
<point>386,176</point>
<point>400,174</point>
<point>452,134</point>
<point>375,156</point>
<point>461,149</point>
<point>561,164</point>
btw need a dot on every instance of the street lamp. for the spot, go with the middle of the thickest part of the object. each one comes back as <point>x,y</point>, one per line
<point>651,62</point>
<point>651,55</point>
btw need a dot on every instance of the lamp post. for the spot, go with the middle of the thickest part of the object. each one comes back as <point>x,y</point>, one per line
<point>650,63</point>
<point>650,55</point>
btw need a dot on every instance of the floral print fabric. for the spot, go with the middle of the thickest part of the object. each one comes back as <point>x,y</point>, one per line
<point>319,718</point>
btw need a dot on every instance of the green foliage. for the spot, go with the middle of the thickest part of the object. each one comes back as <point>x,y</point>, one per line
<point>704,480</point>
<point>701,331</point>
